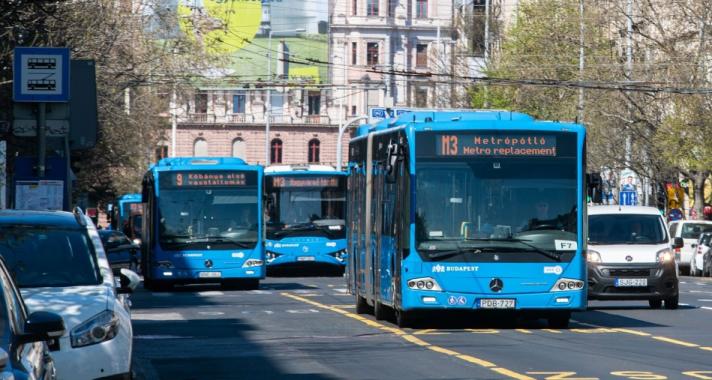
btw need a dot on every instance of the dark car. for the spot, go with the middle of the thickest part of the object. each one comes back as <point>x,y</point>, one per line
<point>24,353</point>
<point>120,250</point>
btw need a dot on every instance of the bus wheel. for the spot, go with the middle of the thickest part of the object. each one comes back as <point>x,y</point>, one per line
<point>361,305</point>
<point>403,318</point>
<point>252,284</point>
<point>559,320</point>
<point>380,311</point>
<point>157,286</point>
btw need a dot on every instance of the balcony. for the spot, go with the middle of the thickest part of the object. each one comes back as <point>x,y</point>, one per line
<point>239,118</point>
<point>248,118</point>
<point>201,118</point>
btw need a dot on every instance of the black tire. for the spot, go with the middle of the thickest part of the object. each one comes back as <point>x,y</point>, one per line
<point>404,318</point>
<point>559,320</point>
<point>361,305</point>
<point>158,286</point>
<point>655,303</point>
<point>251,284</point>
<point>672,303</point>
<point>380,311</point>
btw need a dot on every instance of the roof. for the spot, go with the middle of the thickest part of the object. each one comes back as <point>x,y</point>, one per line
<point>39,218</point>
<point>282,169</point>
<point>696,221</point>
<point>636,210</point>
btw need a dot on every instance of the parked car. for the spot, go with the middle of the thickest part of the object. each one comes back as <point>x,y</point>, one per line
<point>629,256</point>
<point>702,261</point>
<point>59,264</point>
<point>24,353</point>
<point>121,252</point>
<point>687,232</point>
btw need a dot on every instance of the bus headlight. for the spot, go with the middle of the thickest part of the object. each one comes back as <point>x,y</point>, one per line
<point>665,256</point>
<point>252,263</point>
<point>271,255</point>
<point>424,283</point>
<point>593,257</point>
<point>339,255</point>
<point>564,284</point>
<point>164,264</point>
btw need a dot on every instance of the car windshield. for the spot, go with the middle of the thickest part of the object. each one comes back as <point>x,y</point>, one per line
<point>113,239</point>
<point>306,205</point>
<point>39,256</point>
<point>626,229</point>
<point>223,218</point>
<point>496,204</point>
<point>693,230</point>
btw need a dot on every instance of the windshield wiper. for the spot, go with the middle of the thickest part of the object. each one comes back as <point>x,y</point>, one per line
<point>447,254</point>
<point>552,255</point>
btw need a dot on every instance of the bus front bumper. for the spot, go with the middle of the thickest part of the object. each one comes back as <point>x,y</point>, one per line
<point>304,259</point>
<point>564,300</point>
<point>208,275</point>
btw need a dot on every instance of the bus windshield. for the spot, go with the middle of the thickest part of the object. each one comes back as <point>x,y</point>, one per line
<point>517,206</point>
<point>205,218</point>
<point>305,206</point>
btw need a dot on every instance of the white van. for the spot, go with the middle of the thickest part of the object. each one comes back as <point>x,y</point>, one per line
<point>687,232</point>
<point>630,257</point>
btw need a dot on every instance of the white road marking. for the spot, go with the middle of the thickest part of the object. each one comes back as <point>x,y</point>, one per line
<point>157,317</point>
<point>152,337</point>
<point>268,311</point>
<point>211,293</point>
<point>706,307</point>
<point>302,311</point>
<point>341,290</point>
<point>704,300</point>
<point>700,291</point>
<point>259,292</point>
<point>211,313</point>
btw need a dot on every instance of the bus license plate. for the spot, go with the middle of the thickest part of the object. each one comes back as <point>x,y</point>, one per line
<point>626,282</point>
<point>209,274</point>
<point>497,303</point>
<point>306,258</point>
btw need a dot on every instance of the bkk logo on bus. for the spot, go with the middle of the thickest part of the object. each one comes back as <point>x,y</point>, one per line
<point>456,268</point>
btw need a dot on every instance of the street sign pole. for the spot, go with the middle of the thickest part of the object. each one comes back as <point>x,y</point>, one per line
<point>41,140</point>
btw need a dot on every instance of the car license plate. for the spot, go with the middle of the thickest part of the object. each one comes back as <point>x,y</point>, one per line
<point>631,282</point>
<point>305,258</point>
<point>497,303</point>
<point>209,274</point>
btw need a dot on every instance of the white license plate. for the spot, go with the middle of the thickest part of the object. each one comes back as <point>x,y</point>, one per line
<point>306,258</point>
<point>632,282</point>
<point>209,274</point>
<point>497,303</point>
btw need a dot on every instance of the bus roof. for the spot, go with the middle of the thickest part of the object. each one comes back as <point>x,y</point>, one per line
<point>202,163</point>
<point>458,119</point>
<point>130,198</point>
<point>301,169</point>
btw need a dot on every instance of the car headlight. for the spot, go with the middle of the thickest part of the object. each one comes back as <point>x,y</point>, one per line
<point>99,328</point>
<point>665,256</point>
<point>593,256</point>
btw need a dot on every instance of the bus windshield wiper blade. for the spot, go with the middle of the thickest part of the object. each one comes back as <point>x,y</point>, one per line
<point>455,252</point>
<point>552,255</point>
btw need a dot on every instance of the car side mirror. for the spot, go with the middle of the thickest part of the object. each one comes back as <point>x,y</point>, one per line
<point>128,281</point>
<point>677,243</point>
<point>42,326</point>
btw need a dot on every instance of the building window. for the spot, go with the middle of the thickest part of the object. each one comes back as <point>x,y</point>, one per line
<point>392,7</point>
<point>476,33</point>
<point>372,53</point>
<point>421,8</point>
<point>238,148</point>
<point>354,53</point>
<point>161,152</point>
<point>314,146</point>
<point>372,7</point>
<point>354,7</point>
<point>421,97</point>
<point>275,155</point>
<point>200,148</point>
<point>421,55</point>
<point>353,110</point>
<point>238,103</point>
<point>314,103</point>
<point>201,103</point>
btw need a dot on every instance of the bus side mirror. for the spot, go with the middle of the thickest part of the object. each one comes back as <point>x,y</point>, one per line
<point>395,155</point>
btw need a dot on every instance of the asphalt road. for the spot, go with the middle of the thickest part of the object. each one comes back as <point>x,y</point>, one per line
<point>306,328</point>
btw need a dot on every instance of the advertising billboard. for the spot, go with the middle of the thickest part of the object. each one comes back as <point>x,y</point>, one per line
<point>240,30</point>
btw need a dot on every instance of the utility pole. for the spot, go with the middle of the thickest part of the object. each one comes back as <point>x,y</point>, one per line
<point>486,43</point>
<point>582,30</point>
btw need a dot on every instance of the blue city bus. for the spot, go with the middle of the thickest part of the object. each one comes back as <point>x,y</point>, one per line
<point>467,210</point>
<point>202,223</point>
<point>127,214</point>
<point>305,215</point>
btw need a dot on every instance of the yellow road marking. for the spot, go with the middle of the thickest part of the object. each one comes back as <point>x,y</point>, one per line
<point>413,339</point>
<point>430,332</point>
<point>633,332</point>
<point>552,331</point>
<point>593,331</point>
<point>675,341</point>
<point>524,331</point>
<point>483,331</point>
<point>706,348</point>
<point>344,306</point>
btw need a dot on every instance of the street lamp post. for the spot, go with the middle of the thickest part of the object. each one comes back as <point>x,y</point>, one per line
<point>340,137</point>
<point>269,84</point>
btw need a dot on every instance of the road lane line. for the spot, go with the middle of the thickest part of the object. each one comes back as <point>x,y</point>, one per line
<point>157,317</point>
<point>706,307</point>
<point>706,348</point>
<point>414,339</point>
<point>632,332</point>
<point>705,300</point>
<point>675,341</point>
<point>523,331</point>
<point>483,331</point>
<point>552,331</point>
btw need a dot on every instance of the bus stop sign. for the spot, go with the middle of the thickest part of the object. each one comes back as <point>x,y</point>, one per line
<point>41,74</point>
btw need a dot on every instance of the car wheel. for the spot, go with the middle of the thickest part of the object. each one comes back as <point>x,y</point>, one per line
<point>672,303</point>
<point>655,304</point>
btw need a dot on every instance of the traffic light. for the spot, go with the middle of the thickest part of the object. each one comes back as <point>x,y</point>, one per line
<point>594,187</point>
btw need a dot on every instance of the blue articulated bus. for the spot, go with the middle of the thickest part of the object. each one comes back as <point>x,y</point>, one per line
<point>467,210</point>
<point>126,215</point>
<point>305,215</point>
<point>203,223</point>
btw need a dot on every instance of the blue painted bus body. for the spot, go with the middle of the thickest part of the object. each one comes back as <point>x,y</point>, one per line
<point>436,221</point>
<point>203,222</point>
<point>306,216</point>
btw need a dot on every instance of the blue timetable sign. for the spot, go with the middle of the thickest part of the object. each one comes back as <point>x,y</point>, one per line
<point>41,74</point>
<point>628,198</point>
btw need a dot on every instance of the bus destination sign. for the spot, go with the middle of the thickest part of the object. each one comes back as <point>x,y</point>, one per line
<point>305,182</point>
<point>185,179</point>
<point>495,145</point>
